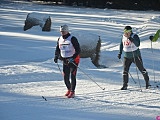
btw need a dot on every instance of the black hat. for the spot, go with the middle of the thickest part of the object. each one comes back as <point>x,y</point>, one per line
<point>128,28</point>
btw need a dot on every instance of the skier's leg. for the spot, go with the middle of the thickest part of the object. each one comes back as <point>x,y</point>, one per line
<point>73,70</point>
<point>73,76</point>
<point>139,64</point>
<point>126,65</point>
<point>66,72</point>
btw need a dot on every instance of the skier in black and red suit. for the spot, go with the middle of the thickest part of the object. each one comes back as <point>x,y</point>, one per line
<point>68,50</point>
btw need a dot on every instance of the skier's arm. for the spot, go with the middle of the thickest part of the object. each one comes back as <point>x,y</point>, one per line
<point>121,47</point>
<point>135,39</point>
<point>76,46</point>
<point>57,51</point>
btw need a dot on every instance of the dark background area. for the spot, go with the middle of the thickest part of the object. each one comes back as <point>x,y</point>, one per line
<point>110,4</point>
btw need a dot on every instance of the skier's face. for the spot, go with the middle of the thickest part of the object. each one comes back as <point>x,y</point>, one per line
<point>64,32</point>
<point>127,34</point>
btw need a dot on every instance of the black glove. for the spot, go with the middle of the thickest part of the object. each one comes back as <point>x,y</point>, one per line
<point>131,39</point>
<point>119,56</point>
<point>55,59</point>
<point>151,37</point>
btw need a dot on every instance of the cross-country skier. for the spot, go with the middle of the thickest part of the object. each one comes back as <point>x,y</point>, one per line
<point>155,37</point>
<point>130,43</point>
<point>68,50</point>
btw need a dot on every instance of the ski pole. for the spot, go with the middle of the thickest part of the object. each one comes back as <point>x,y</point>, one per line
<point>88,76</point>
<point>59,69</point>
<point>130,74</point>
<point>153,63</point>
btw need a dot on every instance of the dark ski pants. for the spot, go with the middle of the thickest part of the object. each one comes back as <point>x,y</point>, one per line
<point>70,70</point>
<point>139,63</point>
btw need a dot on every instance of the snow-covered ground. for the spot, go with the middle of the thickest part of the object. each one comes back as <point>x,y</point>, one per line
<point>27,70</point>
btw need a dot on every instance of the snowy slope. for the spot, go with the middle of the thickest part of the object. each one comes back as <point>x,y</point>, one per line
<point>27,70</point>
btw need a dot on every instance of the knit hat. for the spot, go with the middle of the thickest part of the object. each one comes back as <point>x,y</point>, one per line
<point>128,29</point>
<point>64,28</point>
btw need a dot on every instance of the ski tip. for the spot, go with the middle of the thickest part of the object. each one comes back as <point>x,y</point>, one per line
<point>44,98</point>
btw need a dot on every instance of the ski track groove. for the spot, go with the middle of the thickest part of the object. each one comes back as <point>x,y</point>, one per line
<point>112,98</point>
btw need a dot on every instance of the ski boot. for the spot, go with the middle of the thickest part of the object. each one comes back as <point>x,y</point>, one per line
<point>71,95</point>
<point>124,87</point>
<point>68,92</point>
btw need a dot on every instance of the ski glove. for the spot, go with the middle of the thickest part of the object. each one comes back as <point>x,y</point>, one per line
<point>151,37</point>
<point>131,39</point>
<point>55,59</point>
<point>119,56</point>
<point>70,60</point>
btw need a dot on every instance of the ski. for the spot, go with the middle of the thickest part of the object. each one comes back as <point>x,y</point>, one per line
<point>44,98</point>
<point>63,97</point>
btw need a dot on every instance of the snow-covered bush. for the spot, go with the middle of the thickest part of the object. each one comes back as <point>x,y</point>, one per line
<point>34,19</point>
<point>90,45</point>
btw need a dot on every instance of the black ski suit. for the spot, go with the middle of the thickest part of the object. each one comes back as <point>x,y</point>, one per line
<point>69,67</point>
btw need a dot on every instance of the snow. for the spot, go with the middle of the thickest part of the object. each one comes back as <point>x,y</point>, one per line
<point>27,70</point>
